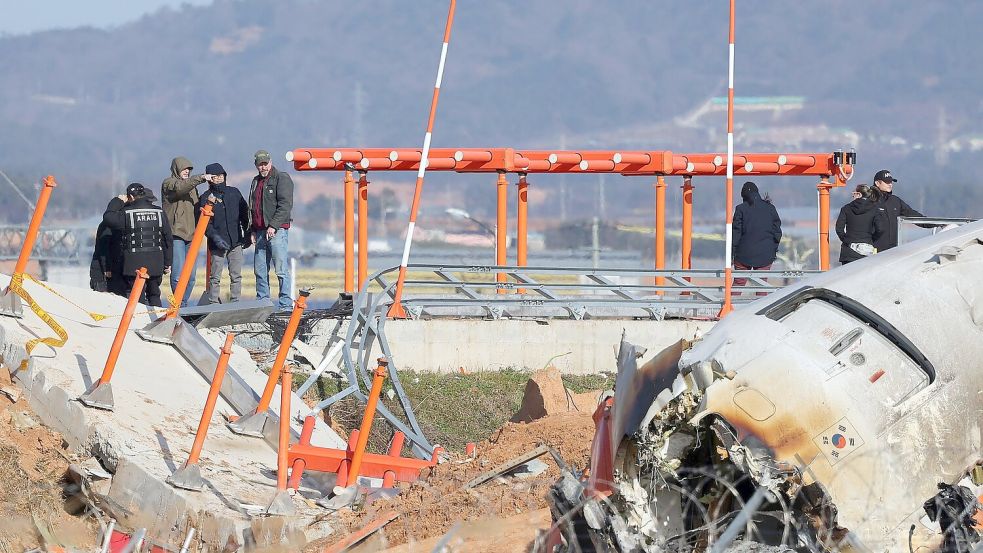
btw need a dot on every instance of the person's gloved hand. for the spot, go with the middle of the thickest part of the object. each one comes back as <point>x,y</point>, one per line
<point>221,244</point>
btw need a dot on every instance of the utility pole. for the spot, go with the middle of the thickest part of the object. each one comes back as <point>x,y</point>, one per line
<point>563,184</point>
<point>596,243</point>
<point>941,148</point>
<point>359,128</point>
<point>601,203</point>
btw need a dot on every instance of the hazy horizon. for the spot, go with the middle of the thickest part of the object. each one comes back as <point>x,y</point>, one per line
<point>46,15</point>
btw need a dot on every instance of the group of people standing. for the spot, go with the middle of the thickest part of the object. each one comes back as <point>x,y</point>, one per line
<point>135,232</point>
<point>866,225</point>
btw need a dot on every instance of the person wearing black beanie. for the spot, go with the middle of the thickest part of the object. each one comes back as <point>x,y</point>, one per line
<point>226,233</point>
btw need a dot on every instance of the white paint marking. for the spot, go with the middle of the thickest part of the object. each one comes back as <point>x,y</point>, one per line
<point>440,68</point>
<point>406,245</point>
<point>730,155</point>
<point>730,68</point>
<point>730,245</point>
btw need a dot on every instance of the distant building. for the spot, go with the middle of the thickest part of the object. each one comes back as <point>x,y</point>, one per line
<point>777,105</point>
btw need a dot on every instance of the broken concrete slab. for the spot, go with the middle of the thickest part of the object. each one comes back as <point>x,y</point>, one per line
<point>11,392</point>
<point>158,398</point>
<point>22,421</point>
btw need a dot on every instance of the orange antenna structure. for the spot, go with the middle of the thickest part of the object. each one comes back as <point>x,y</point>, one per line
<point>729,242</point>
<point>397,309</point>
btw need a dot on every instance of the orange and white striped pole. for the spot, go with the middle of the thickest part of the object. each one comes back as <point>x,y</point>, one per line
<point>396,310</point>
<point>728,267</point>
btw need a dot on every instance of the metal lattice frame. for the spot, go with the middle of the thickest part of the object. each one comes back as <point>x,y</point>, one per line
<point>53,244</point>
<point>594,295</point>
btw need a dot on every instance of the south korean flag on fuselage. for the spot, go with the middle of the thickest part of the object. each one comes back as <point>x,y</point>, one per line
<point>838,441</point>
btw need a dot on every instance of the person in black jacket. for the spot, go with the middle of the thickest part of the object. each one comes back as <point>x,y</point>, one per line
<point>106,268</point>
<point>146,239</point>
<point>892,207</point>
<point>757,231</point>
<point>226,232</point>
<point>859,225</point>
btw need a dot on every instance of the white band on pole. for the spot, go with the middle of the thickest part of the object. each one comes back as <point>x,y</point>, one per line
<point>424,157</point>
<point>440,67</point>
<point>730,68</point>
<point>406,245</point>
<point>730,155</point>
<point>730,245</point>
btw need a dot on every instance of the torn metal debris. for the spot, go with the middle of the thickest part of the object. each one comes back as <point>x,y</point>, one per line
<point>820,419</point>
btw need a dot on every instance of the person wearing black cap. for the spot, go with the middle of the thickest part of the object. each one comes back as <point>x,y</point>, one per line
<point>226,233</point>
<point>757,231</point>
<point>891,208</point>
<point>146,238</point>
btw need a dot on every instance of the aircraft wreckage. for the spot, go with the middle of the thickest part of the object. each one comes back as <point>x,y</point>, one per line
<point>840,414</point>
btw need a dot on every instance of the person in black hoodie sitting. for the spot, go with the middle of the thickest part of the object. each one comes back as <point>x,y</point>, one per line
<point>757,231</point>
<point>859,225</point>
<point>226,233</point>
<point>146,238</point>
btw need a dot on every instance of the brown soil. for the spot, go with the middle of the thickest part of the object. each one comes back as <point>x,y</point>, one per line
<point>33,465</point>
<point>432,507</point>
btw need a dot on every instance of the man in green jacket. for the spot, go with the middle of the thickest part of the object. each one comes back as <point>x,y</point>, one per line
<point>271,198</point>
<point>179,198</point>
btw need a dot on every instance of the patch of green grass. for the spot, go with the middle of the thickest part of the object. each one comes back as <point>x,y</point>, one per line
<point>579,383</point>
<point>452,409</point>
<point>455,409</point>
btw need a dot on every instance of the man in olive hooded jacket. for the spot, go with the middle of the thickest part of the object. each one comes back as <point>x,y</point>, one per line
<point>179,198</point>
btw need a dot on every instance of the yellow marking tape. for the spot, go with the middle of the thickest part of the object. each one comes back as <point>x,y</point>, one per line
<point>16,286</point>
<point>98,316</point>
<point>95,316</point>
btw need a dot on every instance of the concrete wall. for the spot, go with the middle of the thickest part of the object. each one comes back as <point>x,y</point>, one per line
<point>575,347</point>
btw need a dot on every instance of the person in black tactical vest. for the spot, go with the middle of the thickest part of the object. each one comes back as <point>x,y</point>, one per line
<point>146,238</point>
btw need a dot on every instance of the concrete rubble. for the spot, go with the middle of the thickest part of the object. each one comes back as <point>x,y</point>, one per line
<point>158,403</point>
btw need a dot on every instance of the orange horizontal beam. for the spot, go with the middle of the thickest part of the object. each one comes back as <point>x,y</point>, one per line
<point>628,163</point>
<point>324,459</point>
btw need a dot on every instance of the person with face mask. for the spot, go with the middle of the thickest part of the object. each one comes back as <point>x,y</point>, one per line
<point>226,233</point>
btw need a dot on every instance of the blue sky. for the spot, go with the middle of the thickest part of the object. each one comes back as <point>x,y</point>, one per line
<point>22,16</point>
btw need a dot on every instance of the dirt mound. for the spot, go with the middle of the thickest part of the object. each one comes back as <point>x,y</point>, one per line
<point>430,508</point>
<point>33,465</point>
<point>546,395</point>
